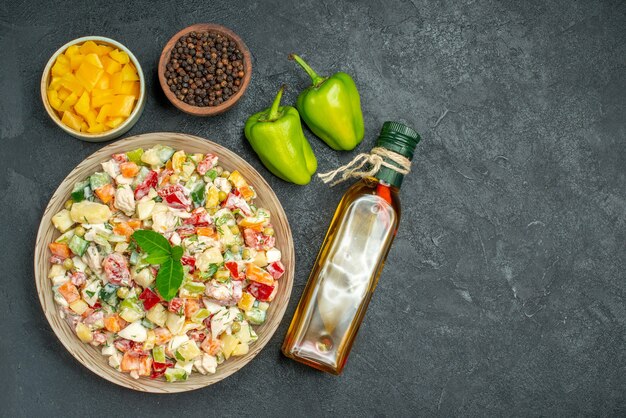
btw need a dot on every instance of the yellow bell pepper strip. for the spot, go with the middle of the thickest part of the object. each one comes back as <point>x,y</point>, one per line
<point>276,136</point>
<point>331,108</point>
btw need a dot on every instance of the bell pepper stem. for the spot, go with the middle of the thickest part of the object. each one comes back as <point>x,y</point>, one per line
<point>274,113</point>
<point>317,80</point>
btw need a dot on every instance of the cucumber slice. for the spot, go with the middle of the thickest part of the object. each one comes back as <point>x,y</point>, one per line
<point>255,316</point>
<point>198,194</point>
<point>108,294</point>
<point>158,354</point>
<point>81,191</point>
<point>99,179</point>
<point>135,156</point>
<point>78,245</point>
<point>174,374</point>
<point>187,351</point>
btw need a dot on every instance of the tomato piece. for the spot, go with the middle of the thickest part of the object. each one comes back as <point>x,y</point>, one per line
<point>116,269</point>
<point>276,269</point>
<point>174,196</point>
<point>258,240</point>
<point>199,218</point>
<point>235,201</point>
<point>150,182</point>
<point>260,291</point>
<point>189,261</point>
<point>149,298</point>
<point>209,161</point>
<point>159,369</point>
<point>123,345</point>
<point>60,249</point>
<point>55,259</point>
<point>186,230</point>
<point>176,305</point>
<point>233,267</point>
<point>120,158</point>
<point>78,278</point>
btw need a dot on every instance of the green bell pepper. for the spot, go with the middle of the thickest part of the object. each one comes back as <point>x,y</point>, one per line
<point>276,136</point>
<point>331,108</point>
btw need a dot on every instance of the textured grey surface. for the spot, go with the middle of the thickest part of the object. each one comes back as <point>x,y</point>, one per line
<point>504,291</point>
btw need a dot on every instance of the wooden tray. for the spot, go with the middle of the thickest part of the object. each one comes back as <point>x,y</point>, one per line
<point>90,356</point>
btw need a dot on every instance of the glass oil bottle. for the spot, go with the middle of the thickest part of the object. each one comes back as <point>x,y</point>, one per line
<point>349,263</point>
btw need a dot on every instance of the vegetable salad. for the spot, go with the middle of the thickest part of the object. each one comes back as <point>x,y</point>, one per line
<point>111,292</point>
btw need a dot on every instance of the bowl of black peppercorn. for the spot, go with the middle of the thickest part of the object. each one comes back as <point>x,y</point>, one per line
<point>205,69</point>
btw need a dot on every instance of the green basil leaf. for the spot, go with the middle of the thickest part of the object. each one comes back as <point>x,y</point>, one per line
<point>152,242</point>
<point>169,279</point>
<point>177,252</point>
<point>156,258</point>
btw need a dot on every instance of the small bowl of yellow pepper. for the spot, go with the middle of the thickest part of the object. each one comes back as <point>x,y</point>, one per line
<point>93,88</point>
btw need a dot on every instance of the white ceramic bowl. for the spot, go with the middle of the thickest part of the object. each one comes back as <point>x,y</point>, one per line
<point>112,133</point>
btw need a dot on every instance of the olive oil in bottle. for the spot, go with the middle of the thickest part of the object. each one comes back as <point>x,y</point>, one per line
<point>351,259</point>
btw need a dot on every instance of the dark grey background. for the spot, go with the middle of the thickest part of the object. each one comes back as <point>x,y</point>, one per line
<point>504,291</point>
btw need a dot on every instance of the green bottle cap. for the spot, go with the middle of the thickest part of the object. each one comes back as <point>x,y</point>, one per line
<point>400,139</point>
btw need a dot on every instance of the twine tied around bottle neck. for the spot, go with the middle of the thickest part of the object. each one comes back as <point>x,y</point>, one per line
<point>376,159</point>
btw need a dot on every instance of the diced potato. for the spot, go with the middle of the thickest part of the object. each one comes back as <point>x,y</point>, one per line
<point>79,306</point>
<point>144,277</point>
<point>144,209</point>
<point>90,212</point>
<point>260,259</point>
<point>210,256</point>
<point>157,314</point>
<point>229,343</point>
<point>84,333</point>
<point>240,349</point>
<point>150,339</point>
<point>56,270</point>
<point>134,332</point>
<point>62,220</point>
<point>175,322</point>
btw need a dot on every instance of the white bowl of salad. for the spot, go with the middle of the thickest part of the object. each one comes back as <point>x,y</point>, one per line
<point>164,262</point>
